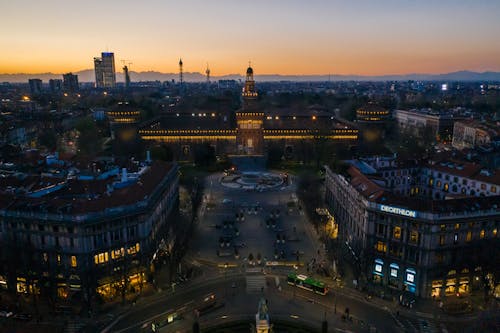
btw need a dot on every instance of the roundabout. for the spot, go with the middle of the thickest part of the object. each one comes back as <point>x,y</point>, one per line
<point>259,181</point>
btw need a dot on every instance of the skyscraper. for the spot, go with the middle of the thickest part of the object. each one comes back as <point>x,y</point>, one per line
<point>55,85</point>
<point>70,82</point>
<point>105,76</point>
<point>35,86</point>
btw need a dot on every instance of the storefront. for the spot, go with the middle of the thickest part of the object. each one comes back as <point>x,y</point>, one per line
<point>378,268</point>
<point>410,280</point>
<point>394,275</point>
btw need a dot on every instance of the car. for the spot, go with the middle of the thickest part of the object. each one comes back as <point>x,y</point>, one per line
<point>23,316</point>
<point>6,314</point>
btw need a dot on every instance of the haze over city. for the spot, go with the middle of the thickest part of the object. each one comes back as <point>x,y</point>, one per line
<point>292,37</point>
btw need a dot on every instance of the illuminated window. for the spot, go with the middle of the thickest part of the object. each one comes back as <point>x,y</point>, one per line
<point>455,239</point>
<point>441,240</point>
<point>414,236</point>
<point>381,246</point>
<point>457,226</point>
<point>116,254</point>
<point>495,231</point>
<point>443,227</point>
<point>397,232</point>
<point>493,189</point>
<point>58,259</point>
<point>481,234</point>
<point>468,237</point>
<point>133,249</point>
<point>446,187</point>
<point>431,181</point>
<point>101,258</point>
<point>73,261</point>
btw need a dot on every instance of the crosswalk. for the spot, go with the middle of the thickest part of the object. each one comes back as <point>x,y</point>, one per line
<point>73,326</point>
<point>255,283</point>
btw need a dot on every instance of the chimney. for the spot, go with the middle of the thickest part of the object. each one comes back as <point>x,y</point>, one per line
<point>124,175</point>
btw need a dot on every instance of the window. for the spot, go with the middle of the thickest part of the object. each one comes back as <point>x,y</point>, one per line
<point>101,258</point>
<point>493,189</point>
<point>464,181</point>
<point>455,179</point>
<point>118,253</point>
<point>495,231</point>
<point>481,234</point>
<point>438,183</point>
<point>397,232</point>
<point>58,259</point>
<point>414,236</point>
<point>133,249</point>
<point>381,246</point>
<point>447,177</point>
<point>45,257</point>
<point>483,186</point>
<point>457,226</point>
<point>441,240</point>
<point>73,261</point>
<point>468,237</point>
<point>439,258</point>
<point>443,227</point>
<point>455,239</point>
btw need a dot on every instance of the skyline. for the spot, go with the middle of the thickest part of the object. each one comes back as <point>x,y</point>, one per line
<point>320,37</point>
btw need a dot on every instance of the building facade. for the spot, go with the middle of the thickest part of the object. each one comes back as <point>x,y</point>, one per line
<point>470,134</point>
<point>251,129</point>
<point>421,121</point>
<point>405,240</point>
<point>35,86</point>
<point>84,233</point>
<point>70,82</point>
<point>105,74</point>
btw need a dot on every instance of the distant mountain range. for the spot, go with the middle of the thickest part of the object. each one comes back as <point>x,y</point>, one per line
<point>88,76</point>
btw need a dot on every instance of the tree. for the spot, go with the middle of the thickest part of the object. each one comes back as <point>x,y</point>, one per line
<point>48,139</point>
<point>89,140</point>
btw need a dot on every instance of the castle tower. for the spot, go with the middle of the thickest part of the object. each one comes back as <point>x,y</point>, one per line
<point>249,92</point>
<point>250,132</point>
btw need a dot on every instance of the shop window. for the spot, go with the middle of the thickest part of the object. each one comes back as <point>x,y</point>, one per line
<point>481,234</point>
<point>73,261</point>
<point>396,232</point>
<point>441,240</point>
<point>495,231</point>
<point>457,226</point>
<point>468,237</point>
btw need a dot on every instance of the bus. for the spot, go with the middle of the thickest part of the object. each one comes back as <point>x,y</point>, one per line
<point>307,283</point>
<point>168,318</point>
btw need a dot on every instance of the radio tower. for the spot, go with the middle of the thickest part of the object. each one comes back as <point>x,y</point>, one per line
<point>181,75</point>
<point>208,74</point>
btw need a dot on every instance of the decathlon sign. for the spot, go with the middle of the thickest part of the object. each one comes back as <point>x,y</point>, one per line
<point>397,210</point>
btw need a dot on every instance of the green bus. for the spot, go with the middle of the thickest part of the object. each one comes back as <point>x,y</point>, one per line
<point>307,283</point>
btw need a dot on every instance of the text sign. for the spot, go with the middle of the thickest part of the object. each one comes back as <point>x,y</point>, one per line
<point>399,211</point>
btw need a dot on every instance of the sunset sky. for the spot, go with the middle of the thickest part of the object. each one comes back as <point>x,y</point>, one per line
<point>367,37</point>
